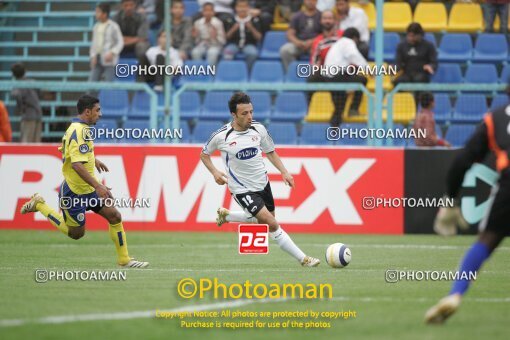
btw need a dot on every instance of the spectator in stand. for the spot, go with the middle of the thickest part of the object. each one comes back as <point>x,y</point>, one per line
<point>348,16</point>
<point>209,36</point>
<point>305,25</point>
<point>181,30</point>
<point>322,43</point>
<point>341,54</point>
<point>107,43</point>
<point>415,56</point>
<point>148,8</point>
<point>5,125</point>
<point>244,34</point>
<point>263,9</point>
<point>325,5</point>
<point>493,7</point>
<point>425,121</point>
<point>135,29</point>
<point>28,107</point>
<point>223,9</point>
<point>156,56</point>
<point>287,8</point>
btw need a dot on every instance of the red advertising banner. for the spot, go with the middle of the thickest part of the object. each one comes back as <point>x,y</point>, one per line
<point>331,184</point>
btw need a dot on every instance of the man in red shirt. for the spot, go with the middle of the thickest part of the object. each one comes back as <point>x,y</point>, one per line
<point>322,43</point>
<point>425,121</point>
<point>5,125</point>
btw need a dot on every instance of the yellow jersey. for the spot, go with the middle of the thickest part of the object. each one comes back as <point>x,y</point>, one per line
<point>77,148</point>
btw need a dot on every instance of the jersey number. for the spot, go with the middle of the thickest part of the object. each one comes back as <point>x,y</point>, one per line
<point>247,200</point>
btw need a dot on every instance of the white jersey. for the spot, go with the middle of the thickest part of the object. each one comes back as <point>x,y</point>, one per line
<point>241,152</point>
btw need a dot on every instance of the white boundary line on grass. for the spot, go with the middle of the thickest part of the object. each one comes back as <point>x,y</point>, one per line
<point>195,308</point>
<point>130,315</point>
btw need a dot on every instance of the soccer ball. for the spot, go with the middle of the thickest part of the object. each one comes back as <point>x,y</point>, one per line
<point>338,255</point>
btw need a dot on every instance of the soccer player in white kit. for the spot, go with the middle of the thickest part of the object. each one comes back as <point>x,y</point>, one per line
<point>241,143</point>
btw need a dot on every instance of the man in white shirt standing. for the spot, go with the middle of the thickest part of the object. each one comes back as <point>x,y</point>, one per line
<point>342,54</point>
<point>241,143</point>
<point>107,43</point>
<point>354,17</point>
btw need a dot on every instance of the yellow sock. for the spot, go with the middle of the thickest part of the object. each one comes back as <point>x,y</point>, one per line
<point>53,217</point>
<point>118,237</point>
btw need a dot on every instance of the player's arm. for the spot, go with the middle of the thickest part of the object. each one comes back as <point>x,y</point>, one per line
<point>475,150</point>
<point>219,176</point>
<point>102,190</point>
<point>277,162</point>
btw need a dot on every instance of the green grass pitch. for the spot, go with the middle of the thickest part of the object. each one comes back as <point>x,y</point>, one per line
<point>384,310</point>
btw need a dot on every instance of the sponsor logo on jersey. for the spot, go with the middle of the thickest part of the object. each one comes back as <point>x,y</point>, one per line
<point>247,153</point>
<point>233,144</point>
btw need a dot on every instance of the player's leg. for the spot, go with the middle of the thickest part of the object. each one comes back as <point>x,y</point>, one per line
<point>280,236</point>
<point>37,203</point>
<point>493,228</point>
<point>118,236</point>
<point>224,215</point>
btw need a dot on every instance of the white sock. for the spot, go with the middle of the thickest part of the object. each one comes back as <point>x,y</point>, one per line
<point>240,216</point>
<point>285,242</point>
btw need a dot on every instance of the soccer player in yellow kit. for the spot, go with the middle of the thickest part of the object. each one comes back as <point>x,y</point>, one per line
<point>80,191</point>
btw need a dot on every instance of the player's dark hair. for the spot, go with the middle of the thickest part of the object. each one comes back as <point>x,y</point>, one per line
<point>238,98</point>
<point>351,33</point>
<point>86,102</point>
<point>105,8</point>
<point>426,99</point>
<point>208,4</point>
<point>415,28</point>
<point>18,70</point>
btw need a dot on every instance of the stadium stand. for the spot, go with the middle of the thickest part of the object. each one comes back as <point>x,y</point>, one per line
<point>432,16</point>
<point>283,133</point>
<point>469,108</point>
<point>455,47</point>
<point>397,16</point>
<point>52,39</point>
<point>490,48</point>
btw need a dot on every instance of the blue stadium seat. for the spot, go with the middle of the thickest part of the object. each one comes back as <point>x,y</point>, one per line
<point>447,74</point>
<point>455,47</point>
<point>191,8</point>
<point>315,134</point>
<point>273,40</point>
<point>189,105</point>
<point>443,107</point>
<point>231,71</point>
<point>195,78</point>
<point>186,133</point>
<point>431,38</point>
<point>499,101</point>
<point>481,74</point>
<point>353,141</point>
<point>292,74</point>
<point>283,133</point>
<point>470,108</point>
<point>390,42</point>
<point>267,71</point>
<point>458,134</point>
<point>216,105</point>
<point>290,106</point>
<point>114,103</point>
<point>505,74</point>
<point>261,104</point>
<point>203,130</point>
<point>109,124</point>
<point>141,106</point>
<point>135,124</point>
<point>490,48</point>
<point>130,77</point>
